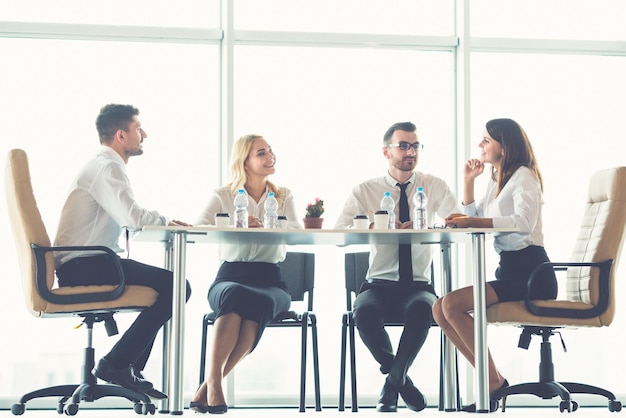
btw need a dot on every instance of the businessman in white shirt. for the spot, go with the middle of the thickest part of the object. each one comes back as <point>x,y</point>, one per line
<point>398,286</point>
<point>100,206</point>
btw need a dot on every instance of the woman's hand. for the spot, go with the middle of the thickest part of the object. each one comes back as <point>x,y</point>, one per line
<point>473,168</point>
<point>254,222</point>
<point>458,220</point>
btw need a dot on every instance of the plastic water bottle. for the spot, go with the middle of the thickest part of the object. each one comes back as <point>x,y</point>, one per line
<point>420,213</point>
<point>241,209</point>
<point>389,205</point>
<point>270,220</point>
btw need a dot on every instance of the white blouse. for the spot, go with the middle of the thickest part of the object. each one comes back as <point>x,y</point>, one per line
<point>518,205</point>
<point>222,200</point>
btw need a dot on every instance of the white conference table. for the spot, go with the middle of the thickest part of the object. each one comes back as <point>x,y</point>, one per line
<point>176,239</point>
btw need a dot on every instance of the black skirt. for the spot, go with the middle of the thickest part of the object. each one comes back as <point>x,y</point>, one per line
<point>255,291</point>
<point>513,274</point>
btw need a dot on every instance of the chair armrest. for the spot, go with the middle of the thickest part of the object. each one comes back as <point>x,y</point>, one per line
<point>42,282</point>
<point>603,301</point>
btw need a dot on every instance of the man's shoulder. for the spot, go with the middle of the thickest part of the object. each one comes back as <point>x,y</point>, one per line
<point>431,179</point>
<point>373,182</point>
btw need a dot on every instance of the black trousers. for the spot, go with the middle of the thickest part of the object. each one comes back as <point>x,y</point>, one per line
<point>381,301</point>
<point>135,344</point>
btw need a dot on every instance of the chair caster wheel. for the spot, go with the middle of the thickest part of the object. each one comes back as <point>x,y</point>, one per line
<point>71,409</point>
<point>566,406</point>
<point>144,408</point>
<point>18,408</point>
<point>615,406</point>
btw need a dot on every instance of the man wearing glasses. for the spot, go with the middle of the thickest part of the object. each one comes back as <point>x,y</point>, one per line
<point>398,287</point>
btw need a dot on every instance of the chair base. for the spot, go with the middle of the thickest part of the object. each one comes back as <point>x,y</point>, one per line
<point>547,387</point>
<point>88,390</point>
<point>85,392</point>
<point>564,390</point>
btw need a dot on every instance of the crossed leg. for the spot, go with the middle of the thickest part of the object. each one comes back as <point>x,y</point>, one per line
<point>452,314</point>
<point>233,339</point>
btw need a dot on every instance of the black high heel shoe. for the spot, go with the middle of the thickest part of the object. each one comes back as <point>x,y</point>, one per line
<point>211,409</point>
<point>198,407</point>
<point>494,403</point>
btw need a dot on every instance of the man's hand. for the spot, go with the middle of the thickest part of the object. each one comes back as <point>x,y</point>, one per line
<point>174,222</point>
<point>404,225</point>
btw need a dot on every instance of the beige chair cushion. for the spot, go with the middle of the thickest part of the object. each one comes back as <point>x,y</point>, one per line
<point>28,228</point>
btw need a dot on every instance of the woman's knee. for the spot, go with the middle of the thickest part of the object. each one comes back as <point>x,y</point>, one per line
<point>437,311</point>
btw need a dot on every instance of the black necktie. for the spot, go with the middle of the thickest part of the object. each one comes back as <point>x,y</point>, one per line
<point>405,269</point>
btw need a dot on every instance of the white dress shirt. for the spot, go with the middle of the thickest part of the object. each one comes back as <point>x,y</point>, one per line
<point>518,205</point>
<point>100,204</point>
<point>222,200</point>
<point>365,198</point>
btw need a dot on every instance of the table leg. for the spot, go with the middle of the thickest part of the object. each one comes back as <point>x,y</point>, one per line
<point>449,353</point>
<point>480,324</point>
<point>167,338</point>
<point>178,321</point>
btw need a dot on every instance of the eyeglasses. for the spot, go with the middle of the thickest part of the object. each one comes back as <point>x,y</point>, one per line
<point>405,146</point>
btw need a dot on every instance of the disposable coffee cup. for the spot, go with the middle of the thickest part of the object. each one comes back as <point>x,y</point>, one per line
<point>222,220</point>
<point>381,219</point>
<point>361,222</point>
<point>282,221</point>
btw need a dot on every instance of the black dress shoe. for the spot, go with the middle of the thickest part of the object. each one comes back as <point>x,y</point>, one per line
<point>153,393</point>
<point>412,397</point>
<point>388,401</point>
<point>123,376</point>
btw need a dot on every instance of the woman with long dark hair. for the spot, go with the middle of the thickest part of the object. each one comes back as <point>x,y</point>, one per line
<point>513,198</point>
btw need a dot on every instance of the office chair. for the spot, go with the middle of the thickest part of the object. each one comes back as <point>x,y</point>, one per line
<point>298,272</point>
<point>91,303</point>
<point>590,291</point>
<point>356,266</point>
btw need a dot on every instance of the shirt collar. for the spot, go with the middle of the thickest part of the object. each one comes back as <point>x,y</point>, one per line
<point>111,153</point>
<point>392,182</point>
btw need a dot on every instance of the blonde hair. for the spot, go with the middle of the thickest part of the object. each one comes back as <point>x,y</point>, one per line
<point>238,175</point>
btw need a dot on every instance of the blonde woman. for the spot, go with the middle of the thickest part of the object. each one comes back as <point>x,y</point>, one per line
<point>248,290</point>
